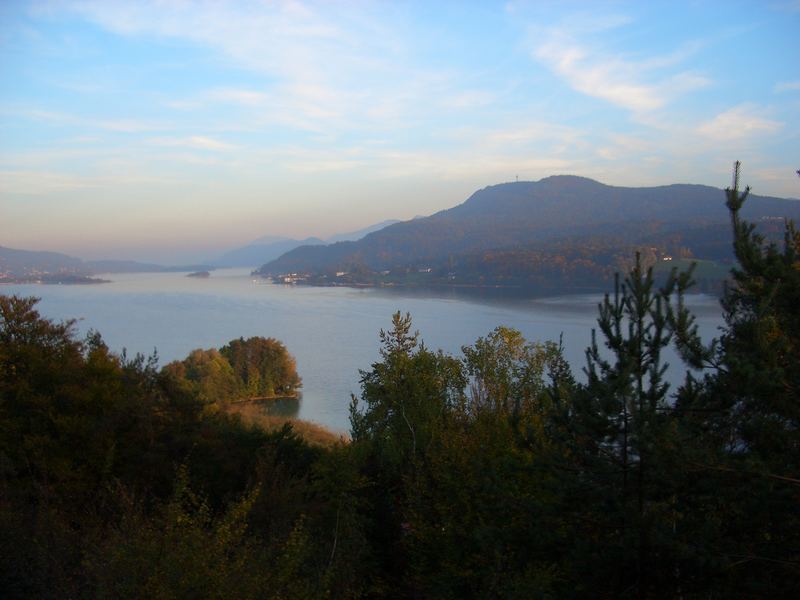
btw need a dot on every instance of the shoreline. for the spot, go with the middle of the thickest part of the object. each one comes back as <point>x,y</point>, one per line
<point>530,291</point>
<point>55,281</point>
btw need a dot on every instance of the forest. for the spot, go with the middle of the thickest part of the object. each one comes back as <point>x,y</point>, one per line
<point>498,473</point>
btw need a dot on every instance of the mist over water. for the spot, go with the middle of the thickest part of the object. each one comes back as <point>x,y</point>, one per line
<point>332,332</point>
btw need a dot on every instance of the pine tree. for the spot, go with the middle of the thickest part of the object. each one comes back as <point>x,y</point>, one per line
<point>743,418</point>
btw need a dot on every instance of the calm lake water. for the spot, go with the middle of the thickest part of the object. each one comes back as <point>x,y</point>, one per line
<point>332,332</point>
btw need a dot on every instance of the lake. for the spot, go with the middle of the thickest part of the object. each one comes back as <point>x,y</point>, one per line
<point>332,332</point>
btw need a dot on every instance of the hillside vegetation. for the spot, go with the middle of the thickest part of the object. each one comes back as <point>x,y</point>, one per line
<point>559,234</point>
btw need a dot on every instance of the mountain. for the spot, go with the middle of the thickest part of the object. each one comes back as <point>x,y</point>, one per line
<point>270,247</point>
<point>19,266</point>
<point>28,266</point>
<point>20,263</point>
<point>132,266</point>
<point>259,252</point>
<point>54,267</point>
<point>354,236</point>
<point>525,214</point>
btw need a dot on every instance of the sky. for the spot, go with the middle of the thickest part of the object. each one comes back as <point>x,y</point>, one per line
<point>172,130</point>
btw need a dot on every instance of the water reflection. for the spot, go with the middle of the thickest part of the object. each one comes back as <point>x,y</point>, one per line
<point>288,407</point>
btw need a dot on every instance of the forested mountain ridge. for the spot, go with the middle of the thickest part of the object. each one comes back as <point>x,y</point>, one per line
<point>518,214</point>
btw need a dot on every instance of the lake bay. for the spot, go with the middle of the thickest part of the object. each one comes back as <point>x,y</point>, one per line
<point>332,332</point>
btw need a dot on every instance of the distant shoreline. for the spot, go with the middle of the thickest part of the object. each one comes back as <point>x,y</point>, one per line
<point>523,291</point>
<point>703,284</point>
<point>71,280</point>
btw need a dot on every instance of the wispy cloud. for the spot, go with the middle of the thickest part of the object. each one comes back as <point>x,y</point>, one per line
<point>322,67</point>
<point>550,138</point>
<point>44,183</point>
<point>638,85</point>
<point>36,183</point>
<point>787,86</point>
<point>740,122</point>
<point>466,166</point>
<point>244,97</point>
<point>197,142</point>
<point>469,99</point>
<point>62,118</point>
<point>311,56</point>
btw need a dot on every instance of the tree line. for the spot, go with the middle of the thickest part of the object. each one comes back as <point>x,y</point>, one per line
<point>493,474</point>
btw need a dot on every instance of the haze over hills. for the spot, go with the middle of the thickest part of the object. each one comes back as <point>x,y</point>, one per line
<point>257,253</point>
<point>59,267</point>
<point>354,236</point>
<point>15,261</point>
<point>55,267</point>
<point>270,247</point>
<point>555,214</point>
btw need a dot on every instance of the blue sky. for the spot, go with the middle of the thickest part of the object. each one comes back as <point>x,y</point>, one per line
<point>170,130</point>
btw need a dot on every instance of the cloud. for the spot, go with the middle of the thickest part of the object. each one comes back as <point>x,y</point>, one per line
<point>238,96</point>
<point>739,122</point>
<point>469,99</point>
<point>626,148</point>
<point>45,183</point>
<point>61,118</point>
<point>36,183</point>
<point>318,67</point>
<point>124,125</point>
<point>787,86</point>
<point>197,142</point>
<point>635,85</point>
<point>548,137</point>
<point>466,165</point>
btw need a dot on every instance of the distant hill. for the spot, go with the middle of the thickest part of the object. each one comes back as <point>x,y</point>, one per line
<point>257,253</point>
<point>132,266</point>
<point>21,263</point>
<point>354,236</point>
<point>270,247</point>
<point>533,215</point>
<point>33,265</point>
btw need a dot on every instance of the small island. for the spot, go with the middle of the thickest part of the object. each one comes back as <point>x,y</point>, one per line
<point>200,274</point>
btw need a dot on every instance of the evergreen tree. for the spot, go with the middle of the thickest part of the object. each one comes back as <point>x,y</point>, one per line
<point>743,418</point>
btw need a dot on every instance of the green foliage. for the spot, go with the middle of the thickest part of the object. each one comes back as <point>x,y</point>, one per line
<point>743,418</point>
<point>455,477</point>
<point>182,551</point>
<point>508,372</point>
<point>208,375</point>
<point>263,366</point>
<point>89,502</point>
<point>407,396</point>
<point>243,369</point>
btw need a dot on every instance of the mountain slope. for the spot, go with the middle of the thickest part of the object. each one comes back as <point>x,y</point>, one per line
<point>269,247</point>
<point>26,262</point>
<point>29,263</point>
<point>354,236</point>
<point>524,213</point>
<point>258,253</point>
